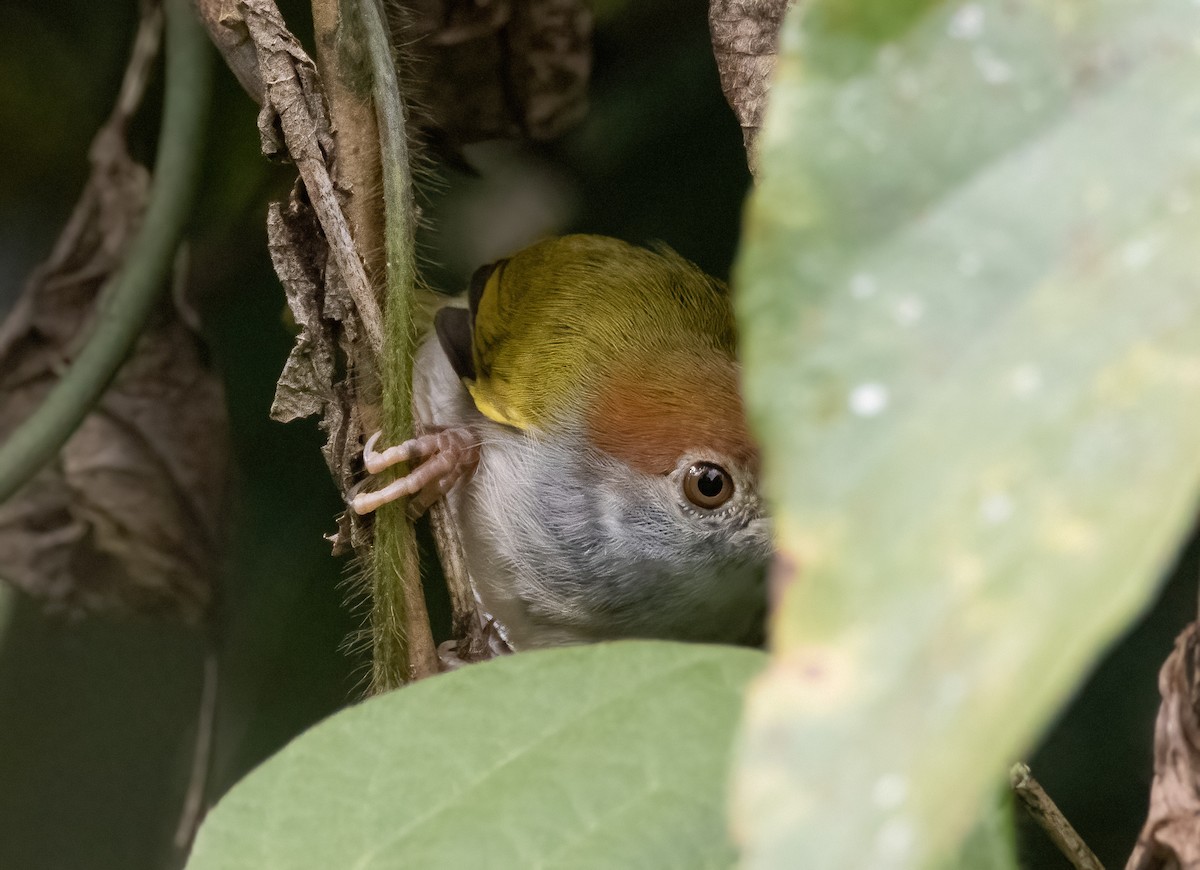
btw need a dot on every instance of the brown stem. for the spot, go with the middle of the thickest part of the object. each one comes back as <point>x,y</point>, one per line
<point>1051,820</point>
<point>357,172</point>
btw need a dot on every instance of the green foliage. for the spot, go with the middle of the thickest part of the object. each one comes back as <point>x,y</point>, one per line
<point>613,755</point>
<point>970,324</point>
<point>990,845</point>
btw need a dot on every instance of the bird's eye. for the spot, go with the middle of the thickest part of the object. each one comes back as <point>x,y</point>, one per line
<point>707,485</point>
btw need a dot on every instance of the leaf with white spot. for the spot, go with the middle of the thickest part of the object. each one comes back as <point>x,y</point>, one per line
<point>970,304</point>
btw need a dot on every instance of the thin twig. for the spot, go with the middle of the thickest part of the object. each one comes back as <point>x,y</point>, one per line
<point>1051,820</point>
<point>128,300</point>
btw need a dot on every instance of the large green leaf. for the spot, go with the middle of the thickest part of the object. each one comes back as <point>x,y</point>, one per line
<point>971,318</point>
<point>605,756</point>
<point>991,845</point>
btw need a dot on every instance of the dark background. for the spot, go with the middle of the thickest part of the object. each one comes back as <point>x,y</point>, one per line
<point>98,718</point>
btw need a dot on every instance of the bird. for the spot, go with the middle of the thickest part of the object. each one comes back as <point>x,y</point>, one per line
<point>581,415</point>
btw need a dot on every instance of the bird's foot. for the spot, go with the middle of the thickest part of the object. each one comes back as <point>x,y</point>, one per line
<point>443,458</point>
<point>483,643</point>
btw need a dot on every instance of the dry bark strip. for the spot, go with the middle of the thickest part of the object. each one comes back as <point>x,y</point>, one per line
<point>745,37</point>
<point>128,519</point>
<point>1170,838</point>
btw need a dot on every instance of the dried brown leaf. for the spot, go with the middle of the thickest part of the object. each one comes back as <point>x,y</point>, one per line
<point>499,68</point>
<point>1170,838</point>
<point>128,517</point>
<point>549,44</point>
<point>453,22</point>
<point>310,383</point>
<point>745,35</point>
<point>298,254</point>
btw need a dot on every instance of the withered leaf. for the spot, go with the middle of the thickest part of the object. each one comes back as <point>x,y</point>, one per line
<point>128,517</point>
<point>498,68</point>
<point>298,254</point>
<point>310,383</point>
<point>745,35</point>
<point>1170,838</point>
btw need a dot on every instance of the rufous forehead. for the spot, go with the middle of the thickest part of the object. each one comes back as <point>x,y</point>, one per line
<point>651,418</point>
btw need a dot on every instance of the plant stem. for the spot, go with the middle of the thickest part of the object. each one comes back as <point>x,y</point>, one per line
<point>346,79</point>
<point>402,639</point>
<point>1051,820</point>
<point>125,304</point>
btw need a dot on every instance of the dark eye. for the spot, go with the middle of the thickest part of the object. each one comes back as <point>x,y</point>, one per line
<point>707,485</point>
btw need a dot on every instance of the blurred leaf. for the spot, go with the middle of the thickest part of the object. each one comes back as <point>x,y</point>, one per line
<point>603,756</point>
<point>991,845</point>
<point>971,316</point>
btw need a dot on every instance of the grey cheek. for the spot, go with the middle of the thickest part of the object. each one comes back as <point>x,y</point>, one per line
<point>759,533</point>
<point>593,546</point>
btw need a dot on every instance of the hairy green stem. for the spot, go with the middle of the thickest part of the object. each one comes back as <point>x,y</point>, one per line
<point>126,302</point>
<point>403,647</point>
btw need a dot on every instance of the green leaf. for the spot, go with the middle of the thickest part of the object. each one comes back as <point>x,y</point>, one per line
<point>991,845</point>
<point>971,323</point>
<point>613,755</point>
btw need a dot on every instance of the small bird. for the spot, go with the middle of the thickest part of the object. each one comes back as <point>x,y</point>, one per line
<point>582,417</point>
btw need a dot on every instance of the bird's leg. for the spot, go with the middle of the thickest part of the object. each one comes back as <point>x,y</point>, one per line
<point>443,457</point>
<point>484,640</point>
